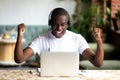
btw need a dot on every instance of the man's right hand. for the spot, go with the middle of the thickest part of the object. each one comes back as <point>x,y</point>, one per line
<point>21,29</point>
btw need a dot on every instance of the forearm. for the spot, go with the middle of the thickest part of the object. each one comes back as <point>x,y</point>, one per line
<point>99,56</point>
<point>18,52</point>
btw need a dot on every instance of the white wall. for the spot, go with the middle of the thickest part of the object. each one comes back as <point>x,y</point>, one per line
<point>31,12</point>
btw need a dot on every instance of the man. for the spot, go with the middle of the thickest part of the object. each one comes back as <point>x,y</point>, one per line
<point>59,39</point>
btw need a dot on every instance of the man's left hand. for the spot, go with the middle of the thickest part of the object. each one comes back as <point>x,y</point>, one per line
<point>96,32</point>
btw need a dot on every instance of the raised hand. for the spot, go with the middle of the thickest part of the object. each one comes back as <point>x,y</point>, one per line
<point>96,32</point>
<point>21,29</point>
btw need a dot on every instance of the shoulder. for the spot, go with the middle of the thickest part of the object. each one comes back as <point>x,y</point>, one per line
<point>74,35</point>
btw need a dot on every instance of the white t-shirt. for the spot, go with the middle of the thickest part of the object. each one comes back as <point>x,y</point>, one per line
<point>69,42</point>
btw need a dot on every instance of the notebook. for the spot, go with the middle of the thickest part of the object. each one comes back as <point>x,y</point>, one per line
<point>59,64</point>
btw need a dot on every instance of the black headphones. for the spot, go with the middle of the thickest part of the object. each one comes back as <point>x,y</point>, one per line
<point>58,11</point>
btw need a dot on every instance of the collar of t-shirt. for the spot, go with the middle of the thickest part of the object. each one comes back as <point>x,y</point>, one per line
<point>61,44</point>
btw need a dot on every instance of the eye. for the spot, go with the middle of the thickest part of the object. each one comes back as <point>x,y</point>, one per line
<point>63,24</point>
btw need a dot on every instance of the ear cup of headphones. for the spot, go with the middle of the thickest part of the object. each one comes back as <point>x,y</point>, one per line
<point>68,21</point>
<point>49,22</point>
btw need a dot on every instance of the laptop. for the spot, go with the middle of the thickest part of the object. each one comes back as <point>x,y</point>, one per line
<point>59,64</point>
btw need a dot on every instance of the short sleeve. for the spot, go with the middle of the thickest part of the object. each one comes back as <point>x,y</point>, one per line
<point>82,44</point>
<point>35,45</point>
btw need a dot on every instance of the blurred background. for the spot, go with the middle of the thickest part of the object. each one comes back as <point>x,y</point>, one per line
<point>84,14</point>
<point>31,12</point>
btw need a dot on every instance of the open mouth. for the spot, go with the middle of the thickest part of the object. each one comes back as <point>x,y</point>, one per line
<point>58,34</point>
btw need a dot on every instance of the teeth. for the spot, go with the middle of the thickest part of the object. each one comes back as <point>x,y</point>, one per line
<point>58,31</point>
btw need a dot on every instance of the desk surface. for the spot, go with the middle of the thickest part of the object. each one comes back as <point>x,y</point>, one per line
<point>32,74</point>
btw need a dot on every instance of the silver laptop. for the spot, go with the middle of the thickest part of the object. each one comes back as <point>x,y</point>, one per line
<point>59,63</point>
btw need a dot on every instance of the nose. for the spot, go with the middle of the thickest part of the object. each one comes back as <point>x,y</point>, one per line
<point>59,27</point>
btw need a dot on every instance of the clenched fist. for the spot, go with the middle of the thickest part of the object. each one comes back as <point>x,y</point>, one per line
<point>96,32</point>
<point>21,29</point>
